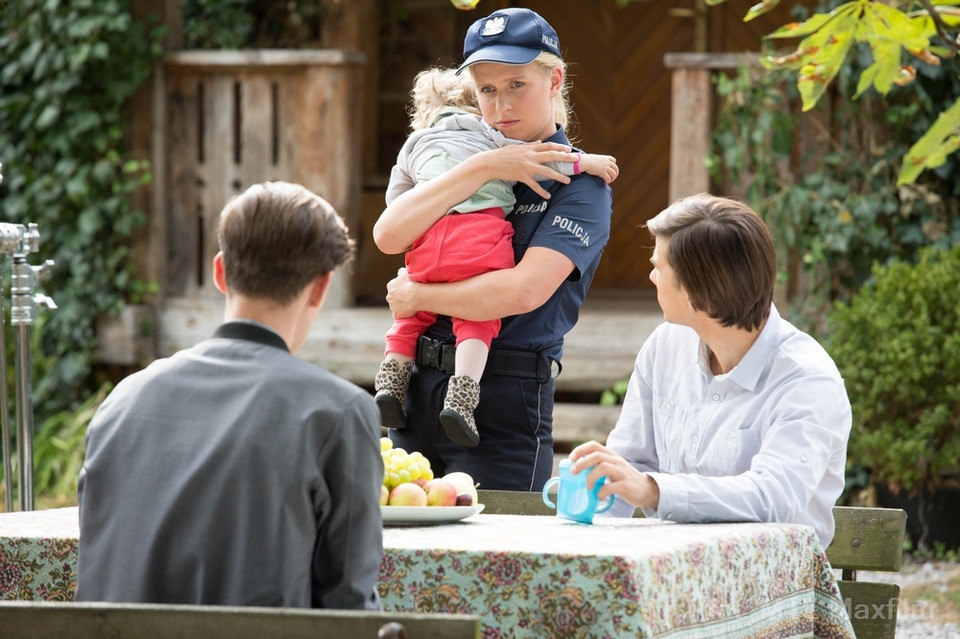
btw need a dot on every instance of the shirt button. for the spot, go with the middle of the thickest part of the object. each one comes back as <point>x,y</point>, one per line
<point>695,438</point>
<point>715,397</point>
<point>803,458</point>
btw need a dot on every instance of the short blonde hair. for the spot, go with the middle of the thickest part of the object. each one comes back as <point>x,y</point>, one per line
<point>439,88</point>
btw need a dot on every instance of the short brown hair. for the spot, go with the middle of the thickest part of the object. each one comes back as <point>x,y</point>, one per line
<point>723,257</point>
<point>276,237</point>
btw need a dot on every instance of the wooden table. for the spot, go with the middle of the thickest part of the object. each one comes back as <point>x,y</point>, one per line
<point>528,576</point>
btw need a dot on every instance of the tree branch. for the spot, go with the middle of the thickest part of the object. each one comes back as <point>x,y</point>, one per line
<point>942,27</point>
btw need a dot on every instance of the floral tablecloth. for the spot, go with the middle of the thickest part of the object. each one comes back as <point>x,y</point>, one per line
<point>545,577</point>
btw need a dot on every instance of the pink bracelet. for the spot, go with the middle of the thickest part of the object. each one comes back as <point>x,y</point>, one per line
<point>576,164</point>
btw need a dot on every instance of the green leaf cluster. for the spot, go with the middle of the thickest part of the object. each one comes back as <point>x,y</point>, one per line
<point>888,30</point>
<point>262,24</point>
<point>927,32</point>
<point>829,192</point>
<point>896,343</point>
<point>69,69</point>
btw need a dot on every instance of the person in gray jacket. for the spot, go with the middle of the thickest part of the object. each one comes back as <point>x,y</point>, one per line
<point>234,473</point>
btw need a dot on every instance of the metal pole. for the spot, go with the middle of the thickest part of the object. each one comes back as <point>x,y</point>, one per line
<point>5,408</point>
<point>22,316</point>
<point>21,345</point>
<point>18,240</point>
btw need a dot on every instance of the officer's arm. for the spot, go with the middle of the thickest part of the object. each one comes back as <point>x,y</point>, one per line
<point>493,295</point>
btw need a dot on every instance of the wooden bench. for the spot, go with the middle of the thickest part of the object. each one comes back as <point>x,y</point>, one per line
<point>52,620</point>
<point>865,539</point>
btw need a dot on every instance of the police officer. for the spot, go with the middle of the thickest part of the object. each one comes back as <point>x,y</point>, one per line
<point>561,225</point>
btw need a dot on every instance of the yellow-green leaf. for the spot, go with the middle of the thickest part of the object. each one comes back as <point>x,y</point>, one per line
<point>831,49</point>
<point>760,9</point>
<point>801,29</point>
<point>883,23</point>
<point>931,150</point>
<point>884,70</point>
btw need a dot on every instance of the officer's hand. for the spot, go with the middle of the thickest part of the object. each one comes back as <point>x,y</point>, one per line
<point>400,295</point>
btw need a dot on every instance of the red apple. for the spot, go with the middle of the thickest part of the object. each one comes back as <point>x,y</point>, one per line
<point>384,495</point>
<point>464,484</point>
<point>440,492</point>
<point>408,494</point>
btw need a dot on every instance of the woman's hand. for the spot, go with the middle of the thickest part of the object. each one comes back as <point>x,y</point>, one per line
<point>526,163</point>
<point>400,294</point>
<point>637,488</point>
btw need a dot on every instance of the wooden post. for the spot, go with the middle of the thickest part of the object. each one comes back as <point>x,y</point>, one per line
<point>691,118</point>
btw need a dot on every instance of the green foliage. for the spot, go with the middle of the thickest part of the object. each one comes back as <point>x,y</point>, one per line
<point>896,343</point>
<point>831,197</point>
<point>263,24</point>
<point>217,24</point>
<point>60,446</point>
<point>614,396</point>
<point>884,32</point>
<point>69,69</point>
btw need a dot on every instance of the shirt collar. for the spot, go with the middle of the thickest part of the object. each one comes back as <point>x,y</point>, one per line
<point>747,373</point>
<point>251,331</point>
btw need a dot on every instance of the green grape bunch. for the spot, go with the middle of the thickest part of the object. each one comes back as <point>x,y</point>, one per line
<point>401,467</point>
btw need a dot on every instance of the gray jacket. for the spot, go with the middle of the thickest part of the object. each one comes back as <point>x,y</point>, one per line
<point>232,473</point>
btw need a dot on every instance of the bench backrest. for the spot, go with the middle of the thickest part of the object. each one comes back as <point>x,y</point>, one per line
<point>865,539</point>
<point>48,620</point>
<point>869,539</point>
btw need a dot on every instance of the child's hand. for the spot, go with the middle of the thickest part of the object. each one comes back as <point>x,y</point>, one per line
<point>602,166</point>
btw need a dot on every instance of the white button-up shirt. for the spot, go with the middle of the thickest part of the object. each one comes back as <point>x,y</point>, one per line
<point>765,442</point>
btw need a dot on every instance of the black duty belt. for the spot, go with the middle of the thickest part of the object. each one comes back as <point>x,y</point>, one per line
<point>501,361</point>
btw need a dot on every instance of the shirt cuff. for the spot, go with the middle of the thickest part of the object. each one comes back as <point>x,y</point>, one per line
<point>674,497</point>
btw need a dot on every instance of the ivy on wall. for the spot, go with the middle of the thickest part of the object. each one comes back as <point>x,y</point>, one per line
<point>68,70</point>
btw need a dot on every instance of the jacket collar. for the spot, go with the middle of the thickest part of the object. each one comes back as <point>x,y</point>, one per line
<point>251,331</point>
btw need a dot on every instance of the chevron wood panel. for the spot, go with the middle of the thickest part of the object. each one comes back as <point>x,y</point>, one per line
<point>621,96</point>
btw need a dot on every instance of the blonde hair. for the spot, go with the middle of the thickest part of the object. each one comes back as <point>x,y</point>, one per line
<point>562,113</point>
<point>439,88</point>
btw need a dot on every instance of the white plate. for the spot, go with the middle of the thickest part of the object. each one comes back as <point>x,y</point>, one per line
<point>426,515</point>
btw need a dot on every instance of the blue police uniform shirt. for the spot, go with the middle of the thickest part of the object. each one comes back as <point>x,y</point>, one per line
<point>575,221</point>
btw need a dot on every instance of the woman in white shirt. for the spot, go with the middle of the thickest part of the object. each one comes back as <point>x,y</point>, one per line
<point>732,413</point>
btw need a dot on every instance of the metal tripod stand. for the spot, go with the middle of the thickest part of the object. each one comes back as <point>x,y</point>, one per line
<point>17,240</point>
